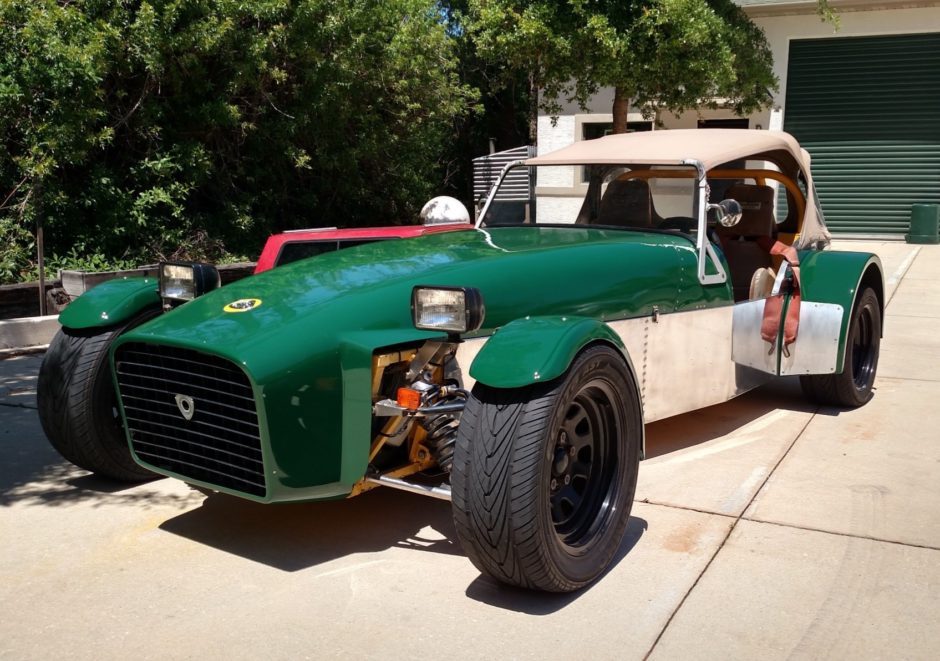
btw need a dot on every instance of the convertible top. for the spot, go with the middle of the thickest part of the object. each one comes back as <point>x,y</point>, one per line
<point>710,147</point>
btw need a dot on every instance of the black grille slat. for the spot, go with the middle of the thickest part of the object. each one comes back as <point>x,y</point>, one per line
<point>185,384</point>
<point>130,388</point>
<point>153,458</point>
<point>234,373</point>
<point>220,444</point>
<point>192,432</point>
<point>233,455</point>
<point>252,433</point>
<point>199,456</point>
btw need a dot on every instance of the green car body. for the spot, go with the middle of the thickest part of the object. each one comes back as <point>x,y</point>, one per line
<point>307,349</point>
<point>315,380</point>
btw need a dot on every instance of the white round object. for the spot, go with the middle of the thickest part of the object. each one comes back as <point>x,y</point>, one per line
<point>444,210</point>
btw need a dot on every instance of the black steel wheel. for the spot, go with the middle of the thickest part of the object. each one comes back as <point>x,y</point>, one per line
<point>544,477</point>
<point>854,386</point>
<point>78,406</point>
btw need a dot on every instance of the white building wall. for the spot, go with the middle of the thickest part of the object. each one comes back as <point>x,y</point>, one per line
<point>780,30</point>
<point>554,135</point>
<point>562,184</point>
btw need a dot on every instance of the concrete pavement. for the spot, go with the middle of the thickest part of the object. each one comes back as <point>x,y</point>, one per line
<point>763,528</point>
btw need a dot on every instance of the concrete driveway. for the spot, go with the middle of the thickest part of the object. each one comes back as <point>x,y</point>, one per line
<point>763,528</point>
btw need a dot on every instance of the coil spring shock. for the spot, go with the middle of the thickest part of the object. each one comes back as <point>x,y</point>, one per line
<point>441,428</point>
<point>441,436</point>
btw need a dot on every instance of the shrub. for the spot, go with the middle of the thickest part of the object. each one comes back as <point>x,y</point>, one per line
<point>142,127</point>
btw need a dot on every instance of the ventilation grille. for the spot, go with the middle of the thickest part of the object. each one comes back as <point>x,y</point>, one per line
<point>220,444</point>
<point>517,186</point>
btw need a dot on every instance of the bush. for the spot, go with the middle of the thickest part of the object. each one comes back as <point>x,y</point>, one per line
<point>138,128</point>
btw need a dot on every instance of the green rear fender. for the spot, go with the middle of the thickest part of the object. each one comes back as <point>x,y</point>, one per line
<point>838,277</point>
<point>538,349</point>
<point>111,303</point>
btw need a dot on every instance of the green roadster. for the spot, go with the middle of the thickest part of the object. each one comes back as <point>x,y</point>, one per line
<point>508,367</point>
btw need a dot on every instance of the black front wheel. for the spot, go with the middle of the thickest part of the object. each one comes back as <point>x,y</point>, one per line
<point>853,387</point>
<point>544,477</point>
<point>78,405</point>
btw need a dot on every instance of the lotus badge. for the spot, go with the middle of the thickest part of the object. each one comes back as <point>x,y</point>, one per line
<point>186,405</point>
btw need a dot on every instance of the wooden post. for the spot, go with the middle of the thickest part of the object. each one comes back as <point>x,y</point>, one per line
<point>40,250</point>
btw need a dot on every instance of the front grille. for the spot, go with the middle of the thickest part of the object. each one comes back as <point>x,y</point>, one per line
<point>220,444</point>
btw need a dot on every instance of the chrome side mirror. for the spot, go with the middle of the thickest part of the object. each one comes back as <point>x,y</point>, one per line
<point>728,212</point>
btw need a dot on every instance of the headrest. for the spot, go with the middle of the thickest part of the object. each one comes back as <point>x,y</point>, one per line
<point>626,203</point>
<point>757,210</point>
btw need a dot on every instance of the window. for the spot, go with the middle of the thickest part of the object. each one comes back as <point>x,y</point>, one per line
<point>734,123</point>
<point>294,251</point>
<point>592,130</point>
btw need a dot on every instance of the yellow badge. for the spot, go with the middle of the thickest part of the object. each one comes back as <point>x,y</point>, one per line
<point>243,305</point>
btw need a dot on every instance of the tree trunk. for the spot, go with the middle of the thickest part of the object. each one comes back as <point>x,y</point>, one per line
<point>621,106</point>
<point>533,111</point>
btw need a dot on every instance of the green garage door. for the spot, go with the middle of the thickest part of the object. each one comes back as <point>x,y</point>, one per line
<point>868,110</point>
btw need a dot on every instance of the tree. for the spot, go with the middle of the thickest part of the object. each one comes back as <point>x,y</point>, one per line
<point>675,55</point>
<point>662,54</point>
<point>535,37</point>
<point>501,115</point>
<point>157,125</point>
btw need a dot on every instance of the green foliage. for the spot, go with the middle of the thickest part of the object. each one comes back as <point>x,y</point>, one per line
<point>538,39</point>
<point>16,250</point>
<point>139,128</point>
<point>501,114</point>
<point>663,54</point>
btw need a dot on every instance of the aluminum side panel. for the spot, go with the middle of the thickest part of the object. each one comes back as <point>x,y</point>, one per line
<point>747,346</point>
<point>816,349</point>
<point>683,361</point>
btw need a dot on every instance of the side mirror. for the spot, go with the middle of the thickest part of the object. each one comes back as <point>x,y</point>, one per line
<point>728,212</point>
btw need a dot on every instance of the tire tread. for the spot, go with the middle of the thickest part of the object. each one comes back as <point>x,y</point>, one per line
<point>496,459</point>
<point>73,377</point>
<point>839,389</point>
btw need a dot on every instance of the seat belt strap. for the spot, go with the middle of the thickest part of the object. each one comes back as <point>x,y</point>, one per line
<point>773,307</point>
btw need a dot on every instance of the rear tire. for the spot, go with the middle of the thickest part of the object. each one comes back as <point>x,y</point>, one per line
<point>853,387</point>
<point>544,476</point>
<point>78,406</point>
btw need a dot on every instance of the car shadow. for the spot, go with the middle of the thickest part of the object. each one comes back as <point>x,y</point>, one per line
<point>493,593</point>
<point>697,427</point>
<point>33,473</point>
<point>295,536</point>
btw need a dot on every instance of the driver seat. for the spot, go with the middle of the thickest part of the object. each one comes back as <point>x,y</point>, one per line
<point>627,203</point>
<point>742,243</point>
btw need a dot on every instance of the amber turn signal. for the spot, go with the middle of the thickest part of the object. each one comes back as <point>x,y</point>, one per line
<point>408,398</point>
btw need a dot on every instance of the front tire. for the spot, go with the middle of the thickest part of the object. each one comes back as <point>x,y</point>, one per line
<point>853,387</point>
<point>544,476</point>
<point>78,406</point>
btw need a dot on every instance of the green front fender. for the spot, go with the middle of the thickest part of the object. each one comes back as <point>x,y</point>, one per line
<point>837,277</point>
<point>111,302</point>
<point>537,349</point>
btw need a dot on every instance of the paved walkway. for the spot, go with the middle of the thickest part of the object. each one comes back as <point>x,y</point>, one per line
<point>764,528</point>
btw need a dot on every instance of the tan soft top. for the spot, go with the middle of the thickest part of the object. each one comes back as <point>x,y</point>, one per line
<point>711,147</point>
